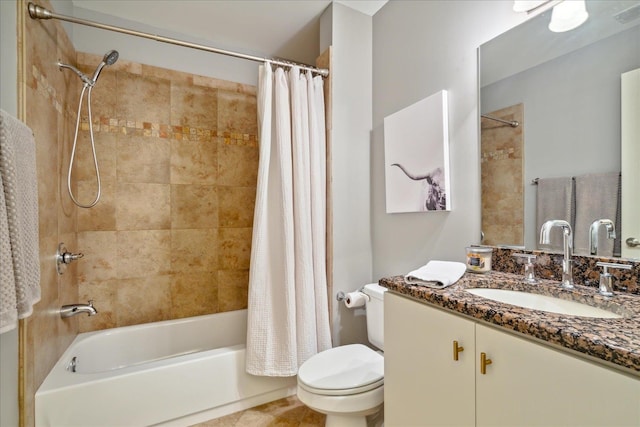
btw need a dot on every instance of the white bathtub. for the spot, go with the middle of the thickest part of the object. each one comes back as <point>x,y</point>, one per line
<point>170,373</point>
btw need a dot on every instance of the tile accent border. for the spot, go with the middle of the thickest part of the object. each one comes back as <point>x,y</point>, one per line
<point>139,128</point>
<point>165,131</point>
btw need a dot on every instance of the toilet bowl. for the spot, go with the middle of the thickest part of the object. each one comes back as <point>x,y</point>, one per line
<point>347,382</point>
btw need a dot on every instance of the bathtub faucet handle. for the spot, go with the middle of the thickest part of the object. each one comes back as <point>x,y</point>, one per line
<point>67,257</point>
<point>64,258</point>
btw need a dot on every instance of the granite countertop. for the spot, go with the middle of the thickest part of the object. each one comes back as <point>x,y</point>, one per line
<point>616,341</point>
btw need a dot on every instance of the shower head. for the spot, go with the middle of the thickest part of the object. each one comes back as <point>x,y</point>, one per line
<point>109,59</point>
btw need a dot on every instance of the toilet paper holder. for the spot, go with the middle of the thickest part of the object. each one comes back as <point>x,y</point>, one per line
<point>341,296</point>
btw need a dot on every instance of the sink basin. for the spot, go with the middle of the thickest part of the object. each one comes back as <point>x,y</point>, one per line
<point>543,303</point>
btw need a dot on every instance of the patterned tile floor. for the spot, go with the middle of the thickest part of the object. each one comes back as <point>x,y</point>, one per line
<point>287,412</point>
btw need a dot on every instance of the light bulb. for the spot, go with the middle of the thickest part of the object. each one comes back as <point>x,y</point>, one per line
<point>568,15</point>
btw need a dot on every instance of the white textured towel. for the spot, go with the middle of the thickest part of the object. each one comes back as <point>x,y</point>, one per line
<point>436,274</point>
<point>19,245</point>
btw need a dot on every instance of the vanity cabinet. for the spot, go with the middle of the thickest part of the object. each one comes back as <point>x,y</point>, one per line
<point>526,383</point>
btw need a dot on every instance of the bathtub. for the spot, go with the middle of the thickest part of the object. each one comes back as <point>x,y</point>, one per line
<point>169,373</point>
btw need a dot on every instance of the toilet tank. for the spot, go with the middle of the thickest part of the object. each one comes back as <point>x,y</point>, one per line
<point>375,314</point>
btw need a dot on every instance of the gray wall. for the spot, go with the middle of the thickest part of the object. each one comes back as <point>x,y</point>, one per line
<point>349,32</point>
<point>571,111</point>
<point>136,49</point>
<point>9,103</point>
<point>420,48</point>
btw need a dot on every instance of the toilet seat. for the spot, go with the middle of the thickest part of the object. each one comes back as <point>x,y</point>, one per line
<point>342,371</point>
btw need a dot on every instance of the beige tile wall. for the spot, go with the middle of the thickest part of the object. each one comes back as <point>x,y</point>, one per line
<point>502,163</point>
<point>178,159</point>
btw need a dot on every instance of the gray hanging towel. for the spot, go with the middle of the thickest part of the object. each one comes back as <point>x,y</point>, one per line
<point>554,200</point>
<point>596,198</point>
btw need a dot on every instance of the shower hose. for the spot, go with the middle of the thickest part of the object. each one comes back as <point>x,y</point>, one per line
<point>93,149</point>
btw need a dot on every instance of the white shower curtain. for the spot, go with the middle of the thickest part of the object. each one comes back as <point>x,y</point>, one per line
<point>288,316</point>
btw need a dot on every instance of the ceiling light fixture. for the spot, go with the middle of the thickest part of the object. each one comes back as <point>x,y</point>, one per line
<point>568,15</point>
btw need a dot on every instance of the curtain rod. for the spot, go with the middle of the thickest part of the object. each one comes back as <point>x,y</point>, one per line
<point>39,12</point>
<point>512,123</point>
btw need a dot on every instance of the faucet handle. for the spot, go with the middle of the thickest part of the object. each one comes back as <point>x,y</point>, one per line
<point>529,267</point>
<point>606,278</point>
<point>529,257</point>
<point>606,265</point>
<point>64,258</point>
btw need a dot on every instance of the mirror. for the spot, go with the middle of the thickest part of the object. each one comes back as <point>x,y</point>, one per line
<point>563,89</point>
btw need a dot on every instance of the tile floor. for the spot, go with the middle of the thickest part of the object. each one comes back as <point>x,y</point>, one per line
<point>287,412</point>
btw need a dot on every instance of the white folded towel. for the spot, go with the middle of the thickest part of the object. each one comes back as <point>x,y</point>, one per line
<point>436,274</point>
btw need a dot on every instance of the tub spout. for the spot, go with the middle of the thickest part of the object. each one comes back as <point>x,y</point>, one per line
<point>73,309</point>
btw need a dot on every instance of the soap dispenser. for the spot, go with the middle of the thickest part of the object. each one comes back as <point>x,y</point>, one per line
<point>606,278</point>
<point>529,267</point>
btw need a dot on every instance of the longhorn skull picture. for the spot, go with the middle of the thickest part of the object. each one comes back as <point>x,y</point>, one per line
<point>434,197</point>
<point>416,152</point>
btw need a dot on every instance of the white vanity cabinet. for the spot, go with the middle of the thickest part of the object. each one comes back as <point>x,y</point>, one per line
<point>525,384</point>
<point>423,384</point>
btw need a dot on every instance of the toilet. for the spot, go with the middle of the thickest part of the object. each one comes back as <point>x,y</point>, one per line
<point>347,382</point>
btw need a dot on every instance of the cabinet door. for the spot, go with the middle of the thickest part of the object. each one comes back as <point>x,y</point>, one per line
<point>528,384</point>
<point>424,385</point>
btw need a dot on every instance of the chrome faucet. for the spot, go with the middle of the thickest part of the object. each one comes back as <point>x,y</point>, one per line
<point>593,233</point>
<point>73,309</point>
<point>567,243</point>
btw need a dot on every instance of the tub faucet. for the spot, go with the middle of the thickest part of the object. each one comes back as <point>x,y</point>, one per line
<point>567,243</point>
<point>593,233</point>
<point>73,309</point>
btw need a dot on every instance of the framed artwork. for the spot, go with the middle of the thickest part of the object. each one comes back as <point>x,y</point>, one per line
<point>416,152</point>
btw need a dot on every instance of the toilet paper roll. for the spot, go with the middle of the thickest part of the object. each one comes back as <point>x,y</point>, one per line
<point>355,299</point>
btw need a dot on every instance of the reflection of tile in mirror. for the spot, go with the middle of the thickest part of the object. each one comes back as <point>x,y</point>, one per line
<point>502,163</point>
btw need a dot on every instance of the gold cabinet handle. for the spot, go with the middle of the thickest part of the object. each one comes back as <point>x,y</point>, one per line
<point>457,349</point>
<point>483,363</point>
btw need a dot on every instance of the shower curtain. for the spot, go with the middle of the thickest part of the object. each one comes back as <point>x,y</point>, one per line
<point>288,316</point>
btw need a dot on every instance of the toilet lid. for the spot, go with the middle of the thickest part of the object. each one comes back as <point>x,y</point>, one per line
<point>342,368</point>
